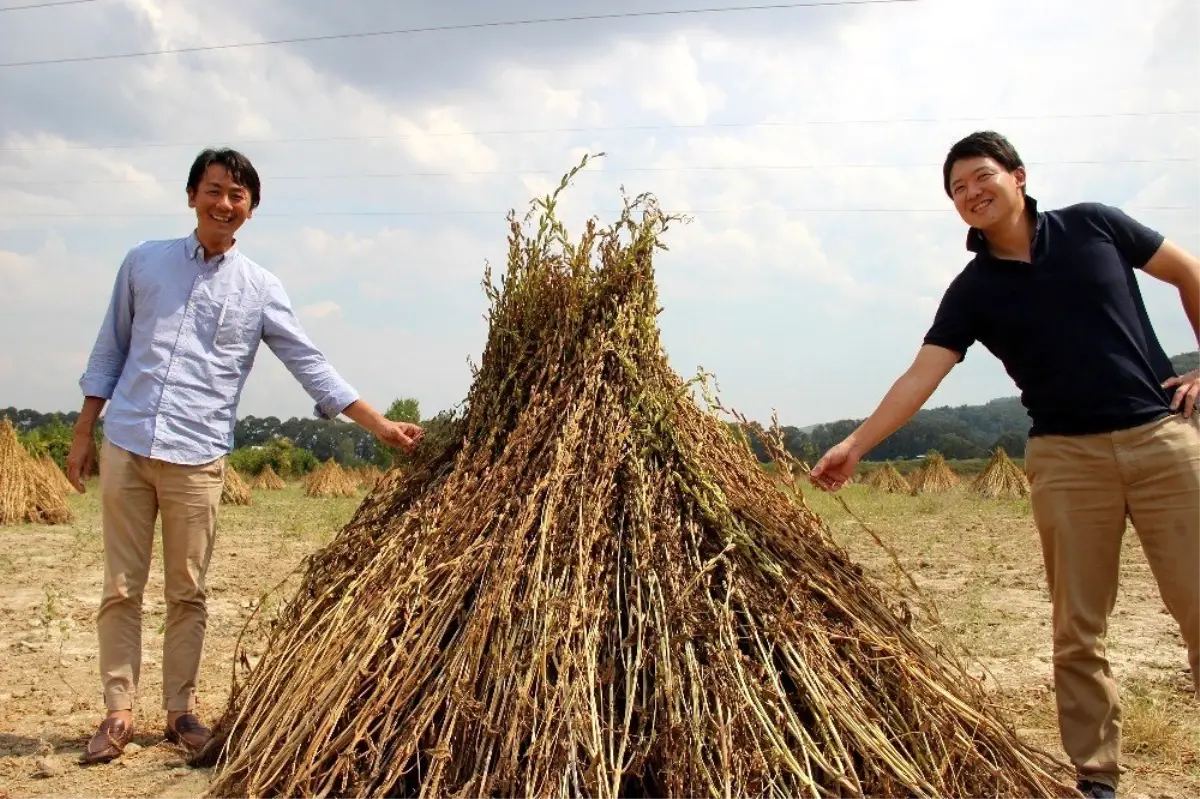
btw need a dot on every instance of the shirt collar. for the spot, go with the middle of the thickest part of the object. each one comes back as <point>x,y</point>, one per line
<point>977,243</point>
<point>195,252</point>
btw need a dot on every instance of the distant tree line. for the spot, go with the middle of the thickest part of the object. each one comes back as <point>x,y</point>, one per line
<point>344,442</point>
<point>1186,362</point>
<point>297,445</point>
<point>959,433</point>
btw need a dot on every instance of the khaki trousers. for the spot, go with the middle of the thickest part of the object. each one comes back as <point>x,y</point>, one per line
<point>1083,489</point>
<point>134,490</point>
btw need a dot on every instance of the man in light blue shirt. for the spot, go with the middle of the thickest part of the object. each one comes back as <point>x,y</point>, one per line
<point>180,336</point>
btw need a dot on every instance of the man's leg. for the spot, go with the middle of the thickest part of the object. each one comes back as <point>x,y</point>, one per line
<point>1163,465</point>
<point>128,508</point>
<point>1079,507</point>
<point>189,497</point>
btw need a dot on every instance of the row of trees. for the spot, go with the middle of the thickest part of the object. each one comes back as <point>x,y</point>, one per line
<point>295,446</point>
<point>45,433</point>
<point>959,433</point>
<point>345,442</point>
<point>968,431</point>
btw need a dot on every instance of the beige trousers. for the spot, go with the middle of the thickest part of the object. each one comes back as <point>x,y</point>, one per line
<point>134,490</point>
<point>1084,487</point>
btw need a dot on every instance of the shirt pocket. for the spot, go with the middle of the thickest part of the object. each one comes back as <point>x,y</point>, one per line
<point>237,323</point>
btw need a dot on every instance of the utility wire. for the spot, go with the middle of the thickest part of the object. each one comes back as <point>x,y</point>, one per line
<point>266,178</point>
<point>45,5</point>
<point>512,23</point>
<point>608,129</point>
<point>447,213</point>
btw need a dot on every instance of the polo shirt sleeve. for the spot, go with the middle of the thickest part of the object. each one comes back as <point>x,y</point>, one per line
<point>953,325</point>
<point>1136,242</point>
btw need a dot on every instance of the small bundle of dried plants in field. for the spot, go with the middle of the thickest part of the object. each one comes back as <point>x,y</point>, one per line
<point>28,493</point>
<point>235,491</point>
<point>1002,479</point>
<point>268,480</point>
<point>330,480</point>
<point>889,480</point>
<point>585,585</point>
<point>934,476</point>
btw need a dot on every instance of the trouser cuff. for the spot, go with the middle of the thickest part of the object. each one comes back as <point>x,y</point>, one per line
<point>118,701</point>
<point>1109,779</point>
<point>180,704</point>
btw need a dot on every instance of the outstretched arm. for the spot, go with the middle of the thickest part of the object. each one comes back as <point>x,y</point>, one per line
<point>333,396</point>
<point>401,435</point>
<point>902,401</point>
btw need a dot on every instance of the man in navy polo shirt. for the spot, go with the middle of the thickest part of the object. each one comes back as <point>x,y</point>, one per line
<point>1054,296</point>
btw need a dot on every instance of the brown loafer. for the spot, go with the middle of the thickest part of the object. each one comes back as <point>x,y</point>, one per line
<point>188,731</point>
<point>109,742</point>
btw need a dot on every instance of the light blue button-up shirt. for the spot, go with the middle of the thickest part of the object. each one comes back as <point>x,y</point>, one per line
<point>178,342</point>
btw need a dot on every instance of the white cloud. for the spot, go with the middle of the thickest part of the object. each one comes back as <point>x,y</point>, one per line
<point>677,92</point>
<point>320,310</point>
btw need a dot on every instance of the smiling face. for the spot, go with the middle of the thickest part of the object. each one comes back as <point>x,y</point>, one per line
<point>222,205</point>
<point>984,192</point>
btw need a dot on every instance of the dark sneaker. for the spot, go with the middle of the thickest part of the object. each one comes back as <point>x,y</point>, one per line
<point>1096,790</point>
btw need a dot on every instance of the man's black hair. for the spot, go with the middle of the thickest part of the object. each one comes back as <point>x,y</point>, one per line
<point>982,144</point>
<point>238,165</point>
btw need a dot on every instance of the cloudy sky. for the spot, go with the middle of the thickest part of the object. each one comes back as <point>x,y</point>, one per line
<point>805,142</point>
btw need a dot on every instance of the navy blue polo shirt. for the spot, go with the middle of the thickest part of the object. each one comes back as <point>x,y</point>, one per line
<point>1070,328</point>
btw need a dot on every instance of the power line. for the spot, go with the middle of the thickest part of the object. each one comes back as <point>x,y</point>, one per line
<point>610,129</point>
<point>155,179</point>
<point>450,213</point>
<point>456,27</point>
<point>45,5</point>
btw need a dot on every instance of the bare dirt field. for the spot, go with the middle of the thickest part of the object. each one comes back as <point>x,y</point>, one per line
<point>978,560</point>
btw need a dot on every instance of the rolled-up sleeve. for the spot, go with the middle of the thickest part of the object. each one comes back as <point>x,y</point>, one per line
<point>286,338</point>
<point>107,359</point>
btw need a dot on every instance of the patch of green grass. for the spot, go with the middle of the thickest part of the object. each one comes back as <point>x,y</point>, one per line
<point>928,505</point>
<point>290,514</point>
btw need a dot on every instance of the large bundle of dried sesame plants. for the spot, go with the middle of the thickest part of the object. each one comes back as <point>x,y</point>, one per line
<point>1002,479</point>
<point>934,476</point>
<point>587,586</point>
<point>28,492</point>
